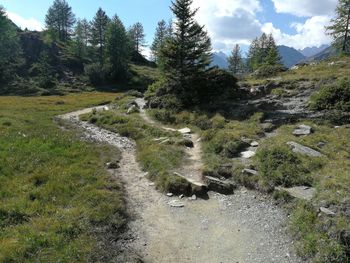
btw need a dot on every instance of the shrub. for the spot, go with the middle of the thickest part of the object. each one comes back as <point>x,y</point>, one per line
<point>98,75</point>
<point>203,122</point>
<point>218,121</point>
<point>279,166</point>
<point>164,116</point>
<point>333,97</point>
<point>268,71</point>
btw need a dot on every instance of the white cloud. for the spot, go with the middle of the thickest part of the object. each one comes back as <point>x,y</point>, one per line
<point>229,22</point>
<point>29,23</point>
<point>311,33</point>
<point>306,8</point>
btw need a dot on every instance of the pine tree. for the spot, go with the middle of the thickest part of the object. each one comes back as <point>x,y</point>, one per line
<point>162,32</point>
<point>187,54</point>
<point>118,48</point>
<point>60,20</point>
<point>86,31</point>
<point>253,53</point>
<point>137,35</point>
<point>79,42</point>
<point>340,28</point>
<point>98,29</point>
<point>10,49</point>
<point>235,60</point>
<point>273,57</point>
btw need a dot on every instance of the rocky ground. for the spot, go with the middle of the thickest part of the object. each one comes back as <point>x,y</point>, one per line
<point>243,227</point>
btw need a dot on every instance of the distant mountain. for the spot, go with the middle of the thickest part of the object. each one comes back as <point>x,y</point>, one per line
<point>220,60</point>
<point>312,51</point>
<point>324,54</point>
<point>290,56</point>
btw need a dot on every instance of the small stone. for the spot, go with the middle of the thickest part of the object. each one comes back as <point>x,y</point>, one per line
<point>181,196</point>
<point>151,184</point>
<point>250,172</point>
<point>302,130</point>
<point>298,148</point>
<point>193,197</point>
<point>184,131</point>
<point>176,203</point>
<point>327,211</point>
<point>247,154</point>
<point>169,194</point>
<point>254,144</point>
<point>113,165</point>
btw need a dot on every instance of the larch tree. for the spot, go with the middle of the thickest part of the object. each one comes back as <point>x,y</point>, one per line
<point>86,31</point>
<point>10,49</point>
<point>137,35</point>
<point>340,28</point>
<point>162,32</point>
<point>99,27</point>
<point>187,54</point>
<point>118,48</point>
<point>60,20</point>
<point>235,60</point>
<point>273,57</point>
<point>78,41</point>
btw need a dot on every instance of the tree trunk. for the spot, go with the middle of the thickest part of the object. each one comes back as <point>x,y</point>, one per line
<point>346,31</point>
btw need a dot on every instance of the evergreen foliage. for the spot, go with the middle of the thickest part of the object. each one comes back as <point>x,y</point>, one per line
<point>187,54</point>
<point>60,20</point>
<point>263,51</point>
<point>118,48</point>
<point>235,60</point>
<point>98,33</point>
<point>10,49</point>
<point>340,28</point>
<point>163,31</point>
<point>137,36</point>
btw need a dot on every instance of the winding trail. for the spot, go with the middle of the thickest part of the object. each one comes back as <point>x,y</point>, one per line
<point>246,227</point>
<point>193,166</point>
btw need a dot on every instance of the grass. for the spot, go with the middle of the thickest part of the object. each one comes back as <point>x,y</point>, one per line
<point>158,157</point>
<point>56,194</point>
<point>323,238</point>
<point>320,72</point>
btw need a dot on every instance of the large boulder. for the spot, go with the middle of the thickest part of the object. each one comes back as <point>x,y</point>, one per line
<point>302,130</point>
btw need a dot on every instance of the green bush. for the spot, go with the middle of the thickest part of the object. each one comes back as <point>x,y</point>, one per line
<point>268,71</point>
<point>333,97</point>
<point>281,167</point>
<point>98,75</point>
<point>164,116</point>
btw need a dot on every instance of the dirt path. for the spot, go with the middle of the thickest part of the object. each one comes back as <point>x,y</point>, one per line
<point>193,167</point>
<point>245,227</point>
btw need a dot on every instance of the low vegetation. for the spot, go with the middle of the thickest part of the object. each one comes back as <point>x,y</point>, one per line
<point>58,203</point>
<point>159,152</point>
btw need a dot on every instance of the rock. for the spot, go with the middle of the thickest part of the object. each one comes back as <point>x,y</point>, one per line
<point>113,165</point>
<point>300,192</point>
<point>249,172</point>
<point>254,144</point>
<point>185,131</point>
<point>247,154</point>
<point>217,185</point>
<point>268,127</point>
<point>170,194</point>
<point>327,211</point>
<point>193,197</point>
<point>181,196</point>
<point>176,203</point>
<point>169,129</point>
<point>302,130</point>
<point>106,108</point>
<point>321,144</point>
<point>151,184</point>
<point>298,148</point>
<point>132,109</point>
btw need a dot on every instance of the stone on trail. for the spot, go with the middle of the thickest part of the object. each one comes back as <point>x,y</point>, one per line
<point>302,130</point>
<point>298,148</point>
<point>300,192</point>
<point>169,194</point>
<point>185,131</point>
<point>254,144</point>
<point>327,211</point>
<point>247,154</point>
<point>220,186</point>
<point>113,165</point>
<point>250,172</point>
<point>176,203</point>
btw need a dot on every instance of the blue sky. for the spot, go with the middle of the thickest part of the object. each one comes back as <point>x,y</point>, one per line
<point>296,23</point>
